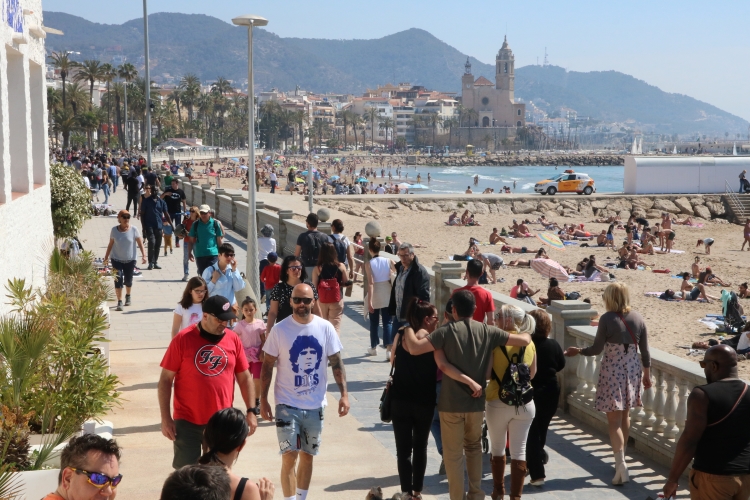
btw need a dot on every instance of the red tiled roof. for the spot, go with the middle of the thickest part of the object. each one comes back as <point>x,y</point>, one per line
<point>482,81</point>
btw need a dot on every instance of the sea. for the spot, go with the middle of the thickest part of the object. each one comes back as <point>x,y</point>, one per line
<point>447,180</point>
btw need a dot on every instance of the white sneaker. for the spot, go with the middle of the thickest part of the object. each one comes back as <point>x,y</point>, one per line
<point>537,482</point>
<point>372,351</point>
<point>387,355</point>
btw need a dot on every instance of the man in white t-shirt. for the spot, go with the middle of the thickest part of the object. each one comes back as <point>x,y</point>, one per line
<point>380,189</point>
<point>301,343</point>
<point>273,180</point>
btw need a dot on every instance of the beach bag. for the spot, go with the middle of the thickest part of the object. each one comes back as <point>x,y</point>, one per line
<point>385,398</point>
<point>515,387</point>
<point>572,296</point>
<point>329,290</point>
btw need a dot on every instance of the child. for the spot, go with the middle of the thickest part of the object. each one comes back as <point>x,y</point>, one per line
<point>252,333</point>
<point>168,231</point>
<point>270,277</point>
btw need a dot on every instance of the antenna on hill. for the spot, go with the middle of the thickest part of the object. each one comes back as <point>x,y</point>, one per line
<point>546,62</point>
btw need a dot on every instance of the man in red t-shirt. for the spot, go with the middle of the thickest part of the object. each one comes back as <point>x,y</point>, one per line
<point>203,361</point>
<point>485,302</point>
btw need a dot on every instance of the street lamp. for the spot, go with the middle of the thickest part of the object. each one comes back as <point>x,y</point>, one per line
<point>251,268</point>
<point>148,85</point>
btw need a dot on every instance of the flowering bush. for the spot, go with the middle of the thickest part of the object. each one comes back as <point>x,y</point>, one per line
<point>71,201</point>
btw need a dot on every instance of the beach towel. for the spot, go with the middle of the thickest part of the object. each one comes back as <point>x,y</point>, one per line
<point>570,242</point>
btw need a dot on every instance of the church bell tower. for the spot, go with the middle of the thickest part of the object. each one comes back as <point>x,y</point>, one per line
<point>505,69</point>
<point>467,81</point>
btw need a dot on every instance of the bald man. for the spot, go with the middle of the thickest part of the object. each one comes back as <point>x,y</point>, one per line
<point>301,343</point>
<point>716,433</point>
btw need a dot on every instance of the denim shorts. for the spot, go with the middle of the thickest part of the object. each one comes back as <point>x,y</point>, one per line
<point>299,430</point>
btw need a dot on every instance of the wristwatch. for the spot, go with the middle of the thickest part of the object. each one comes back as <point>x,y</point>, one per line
<point>255,411</point>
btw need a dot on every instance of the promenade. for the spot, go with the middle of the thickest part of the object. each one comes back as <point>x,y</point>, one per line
<point>358,451</point>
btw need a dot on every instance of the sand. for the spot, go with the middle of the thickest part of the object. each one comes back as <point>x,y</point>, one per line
<point>670,324</point>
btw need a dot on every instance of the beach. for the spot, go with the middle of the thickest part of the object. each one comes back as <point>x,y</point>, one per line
<point>671,325</point>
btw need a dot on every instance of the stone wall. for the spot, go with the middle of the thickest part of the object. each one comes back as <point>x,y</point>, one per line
<point>702,207</point>
<point>513,160</point>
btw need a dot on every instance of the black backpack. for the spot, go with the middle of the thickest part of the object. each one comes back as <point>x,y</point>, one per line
<point>341,247</point>
<point>515,387</point>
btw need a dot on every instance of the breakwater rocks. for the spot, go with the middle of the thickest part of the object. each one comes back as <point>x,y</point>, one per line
<point>700,207</point>
<point>562,160</point>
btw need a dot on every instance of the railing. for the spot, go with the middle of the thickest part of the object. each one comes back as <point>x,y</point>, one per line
<point>202,154</point>
<point>656,426</point>
<point>738,208</point>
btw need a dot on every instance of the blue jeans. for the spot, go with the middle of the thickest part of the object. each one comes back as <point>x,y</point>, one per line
<point>268,300</point>
<point>435,427</point>
<point>395,326</point>
<point>375,322</point>
<point>105,188</point>
<point>115,182</point>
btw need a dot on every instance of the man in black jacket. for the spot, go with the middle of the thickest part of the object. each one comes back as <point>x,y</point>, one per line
<point>412,280</point>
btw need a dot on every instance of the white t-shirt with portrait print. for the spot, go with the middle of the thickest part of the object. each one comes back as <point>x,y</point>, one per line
<point>190,316</point>
<point>302,366</point>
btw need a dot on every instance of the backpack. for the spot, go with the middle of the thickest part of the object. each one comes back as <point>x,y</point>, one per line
<point>341,248</point>
<point>329,290</point>
<point>572,296</point>
<point>515,387</point>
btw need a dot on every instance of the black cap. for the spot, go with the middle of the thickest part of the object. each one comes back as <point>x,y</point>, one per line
<point>219,307</point>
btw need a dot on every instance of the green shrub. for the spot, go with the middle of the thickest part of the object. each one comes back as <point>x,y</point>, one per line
<point>71,201</point>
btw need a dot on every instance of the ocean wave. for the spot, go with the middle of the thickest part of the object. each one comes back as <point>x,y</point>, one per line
<point>528,185</point>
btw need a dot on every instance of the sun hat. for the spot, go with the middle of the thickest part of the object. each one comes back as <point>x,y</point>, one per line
<point>204,209</point>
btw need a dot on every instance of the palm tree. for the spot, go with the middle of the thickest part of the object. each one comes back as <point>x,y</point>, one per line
<point>77,97</point>
<point>371,114</point>
<point>65,123</point>
<point>108,75</point>
<point>191,89</point>
<point>387,124</point>
<point>345,117</point>
<point>320,127</point>
<point>450,123</point>
<point>89,70</point>
<point>128,73</point>
<point>61,61</point>
<point>416,121</point>
<point>176,97</point>
<point>434,120</point>
<point>357,122</point>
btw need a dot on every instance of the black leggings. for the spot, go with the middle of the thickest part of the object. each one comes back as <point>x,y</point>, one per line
<point>124,273</point>
<point>411,428</point>
<point>545,401</point>
<point>133,196</point>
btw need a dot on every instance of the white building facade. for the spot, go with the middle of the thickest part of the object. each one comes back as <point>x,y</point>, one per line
<point>25,214</point>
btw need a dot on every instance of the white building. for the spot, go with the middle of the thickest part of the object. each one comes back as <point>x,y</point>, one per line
<point>25,214</point>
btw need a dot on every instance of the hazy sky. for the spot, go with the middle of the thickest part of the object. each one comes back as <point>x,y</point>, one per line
<point>698,48</point>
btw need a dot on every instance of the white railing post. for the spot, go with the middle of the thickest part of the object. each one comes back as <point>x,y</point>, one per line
<point>583,361</point>
<point>659,402</point>
<point>683,391</point>
<point>670,407</point>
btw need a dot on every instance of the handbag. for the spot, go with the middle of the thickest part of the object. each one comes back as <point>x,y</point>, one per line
<point>385,398</point>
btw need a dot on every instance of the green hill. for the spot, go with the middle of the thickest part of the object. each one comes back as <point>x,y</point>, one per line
<point>209,47</point>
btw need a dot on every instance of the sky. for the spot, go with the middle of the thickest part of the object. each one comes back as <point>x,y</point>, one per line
<point>696,48</point>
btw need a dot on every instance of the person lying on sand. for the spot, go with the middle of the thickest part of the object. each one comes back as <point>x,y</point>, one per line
<point>495,237</point>
<point>634,261</point>
<point>547,224</point>
<point>687,221</point>
<point>541,254</point>
<point>578,233</point>
<point>694,292</point>
<point>614,219</point>
<point>580,267</point>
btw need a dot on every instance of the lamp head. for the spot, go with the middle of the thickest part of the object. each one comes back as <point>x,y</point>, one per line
<point>250,20</point>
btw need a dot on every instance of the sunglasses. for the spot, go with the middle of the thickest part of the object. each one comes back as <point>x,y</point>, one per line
<point>126,217</point>
<point>228,254</point>
<point>200,292</point>
<point>306,300</point>
<point>295,268</point>
<point>98,479</point>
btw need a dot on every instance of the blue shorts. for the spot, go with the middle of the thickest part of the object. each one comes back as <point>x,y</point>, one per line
<point>693,294</point>
<point>299,430</point>
<point>610,237</point>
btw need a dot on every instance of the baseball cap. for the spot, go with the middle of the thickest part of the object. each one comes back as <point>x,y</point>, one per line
<point>220,307</point>
<point>272,257</point>
<point>204,209</point>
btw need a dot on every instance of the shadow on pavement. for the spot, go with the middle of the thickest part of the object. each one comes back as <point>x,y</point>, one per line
<point>364,484</point>
<point>138,387</point>
<point>138,429</point>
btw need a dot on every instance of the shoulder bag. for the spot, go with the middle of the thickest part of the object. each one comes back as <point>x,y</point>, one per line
<point>385,399</point>
<point>633,337</point>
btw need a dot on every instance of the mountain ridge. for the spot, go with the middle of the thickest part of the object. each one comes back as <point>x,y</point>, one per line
<point>209,47</point>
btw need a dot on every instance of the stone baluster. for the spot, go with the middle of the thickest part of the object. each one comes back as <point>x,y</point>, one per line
<point>647,413</point>
<point>282,244</point>
<point>660,398</point>
<point>591,371</point>
<point>583,384</point>
<point>683,391</point>
<point>670,407</point>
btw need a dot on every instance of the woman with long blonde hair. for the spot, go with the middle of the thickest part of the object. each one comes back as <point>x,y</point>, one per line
<point>621,333</point>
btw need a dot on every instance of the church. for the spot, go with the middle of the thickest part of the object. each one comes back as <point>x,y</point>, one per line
<point>494,103</point>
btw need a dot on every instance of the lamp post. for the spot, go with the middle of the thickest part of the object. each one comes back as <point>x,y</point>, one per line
<point>251,268</point>
<point>148,85</point>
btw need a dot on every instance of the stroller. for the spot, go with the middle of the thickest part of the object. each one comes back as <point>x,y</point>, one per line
<point>733,321</point>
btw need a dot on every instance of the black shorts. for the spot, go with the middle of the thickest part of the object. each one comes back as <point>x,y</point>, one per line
<point>124,273</point>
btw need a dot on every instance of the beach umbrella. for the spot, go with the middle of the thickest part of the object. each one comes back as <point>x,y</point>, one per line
<point>300,179</point>
<point>404,185</point>
<point>292,168</point>
<point>362,179</point>
<point>335,177</point>
<point>337,159</point>
<point>266,158</point>
<point>281,157</point>
<point>418,187</point>
<point>552,240</point>
<point>549,269</point>
<point>316,157</point>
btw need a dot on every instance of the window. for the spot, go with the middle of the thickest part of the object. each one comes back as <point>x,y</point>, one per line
<point>485,101</point>
<point>518,124</point>
<point>519,112</point>
<point>506,67</point>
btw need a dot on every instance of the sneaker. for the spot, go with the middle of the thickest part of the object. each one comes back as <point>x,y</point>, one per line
<point>170,250</point>
<point>165,253</point>
<point>127,300</point>
<point>537,482</point>
<point>372,351</point>
<point>185,278</point>
<point>441,471</point>
<point>387,355</point>
<point>119,306</point>
<point>156,266</point>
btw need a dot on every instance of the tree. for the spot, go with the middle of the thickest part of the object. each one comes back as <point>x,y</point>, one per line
<point>191,89</point>
<point>176,97</point>
<point>64,123</point>
<point>108,75</point>
<point>71,200</point>
<point>77,97</point>
<point>434,120</point>
<point>61,62</point>
<point>345,118</point>
<point>357,122</point>
<point>372,114</point>
<point>450,123</point>
<point>128,73</point>
<point>387,124</point>
<point>320,128</point>
<point>90,71</point>
<point>400,142</point>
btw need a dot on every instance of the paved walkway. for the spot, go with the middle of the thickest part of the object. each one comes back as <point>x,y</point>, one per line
<point>358,450</point>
